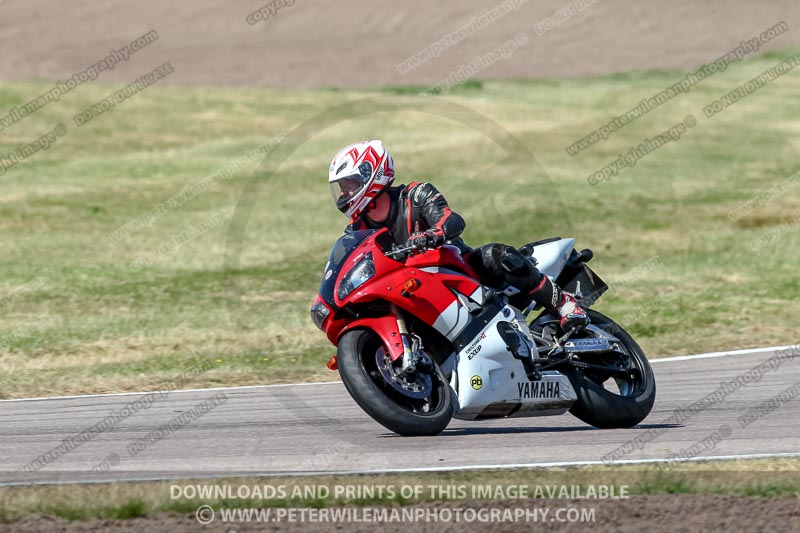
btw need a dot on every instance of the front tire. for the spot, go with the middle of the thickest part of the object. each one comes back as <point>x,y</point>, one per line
<point>633,399</point>
<point>406,416</point>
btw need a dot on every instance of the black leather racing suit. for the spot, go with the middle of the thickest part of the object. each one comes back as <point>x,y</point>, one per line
<point>413,209</point>
<point>417,207</point>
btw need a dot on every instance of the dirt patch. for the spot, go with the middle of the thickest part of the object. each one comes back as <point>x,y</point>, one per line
<point>352,43</point>
<point>655,513</point>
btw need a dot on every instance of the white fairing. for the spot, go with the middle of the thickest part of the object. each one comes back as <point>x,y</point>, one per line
<point>452,320</point>
<point>456,316</point>
<point>552,256</point>
<point>490,382</point>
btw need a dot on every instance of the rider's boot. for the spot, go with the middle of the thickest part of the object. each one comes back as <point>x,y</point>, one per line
<point>523,274</point>
<point>551,297</point>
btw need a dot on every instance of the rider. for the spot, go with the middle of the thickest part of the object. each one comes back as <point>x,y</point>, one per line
<point>360,178</point>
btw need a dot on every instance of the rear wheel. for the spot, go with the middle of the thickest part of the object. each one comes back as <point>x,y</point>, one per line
<point>415,404</point>
<point>617,398</point>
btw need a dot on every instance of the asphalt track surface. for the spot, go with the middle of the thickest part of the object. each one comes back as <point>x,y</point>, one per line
<point>317,428</point>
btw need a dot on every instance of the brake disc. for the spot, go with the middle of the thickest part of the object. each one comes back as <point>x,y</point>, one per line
<point>417,385</point>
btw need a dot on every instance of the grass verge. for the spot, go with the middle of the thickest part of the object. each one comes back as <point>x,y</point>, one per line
<point>116,244</point>
<point>758,478</point>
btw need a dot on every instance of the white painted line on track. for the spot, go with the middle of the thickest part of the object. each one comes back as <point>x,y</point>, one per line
<point>211,389</point>
<point>711,355</point>
<point>555,464</point>
<point>248,387</point>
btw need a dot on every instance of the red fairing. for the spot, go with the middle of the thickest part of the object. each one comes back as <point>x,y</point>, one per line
<point>446,256</point>
<point>438,272</point>
<point>385,327</point>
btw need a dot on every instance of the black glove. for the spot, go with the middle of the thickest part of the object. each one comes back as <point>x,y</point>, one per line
<point>429,239</point>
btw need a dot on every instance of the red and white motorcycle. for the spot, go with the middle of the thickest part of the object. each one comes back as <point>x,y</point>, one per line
<point>420,340</point>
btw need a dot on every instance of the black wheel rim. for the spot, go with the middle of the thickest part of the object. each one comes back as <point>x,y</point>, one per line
<point>629,374</point>
<point>429,405</point>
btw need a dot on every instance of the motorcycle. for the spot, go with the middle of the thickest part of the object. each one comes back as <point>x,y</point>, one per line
<point>421,341</point>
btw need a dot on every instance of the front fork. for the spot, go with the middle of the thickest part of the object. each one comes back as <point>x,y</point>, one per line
<point>411,345</point>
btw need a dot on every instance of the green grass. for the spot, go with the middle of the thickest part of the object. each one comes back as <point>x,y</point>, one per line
<point>91,321</point>
<point>759,478</point>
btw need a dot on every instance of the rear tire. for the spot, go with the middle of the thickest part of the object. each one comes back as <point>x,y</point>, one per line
<point>356,352</point>
<point>603,408</point>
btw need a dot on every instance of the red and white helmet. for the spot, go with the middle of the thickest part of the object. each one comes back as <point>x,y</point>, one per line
<point>358,173</point>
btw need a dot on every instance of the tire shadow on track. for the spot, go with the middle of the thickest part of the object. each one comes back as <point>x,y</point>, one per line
<point>459,432</point>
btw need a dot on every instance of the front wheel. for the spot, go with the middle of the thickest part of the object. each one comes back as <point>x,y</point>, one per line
<point>620,399</point>
<point>413,404</point>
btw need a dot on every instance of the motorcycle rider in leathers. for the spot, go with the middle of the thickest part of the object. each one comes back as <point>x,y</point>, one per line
<point>360,178</point>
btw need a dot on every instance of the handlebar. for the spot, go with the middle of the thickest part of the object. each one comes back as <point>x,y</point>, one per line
<point>401,252</point>
<point>419,242</point>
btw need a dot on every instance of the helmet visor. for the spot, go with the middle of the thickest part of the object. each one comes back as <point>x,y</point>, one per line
<point>345,189</point>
